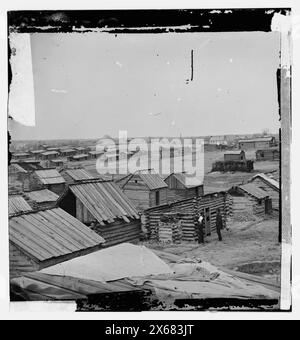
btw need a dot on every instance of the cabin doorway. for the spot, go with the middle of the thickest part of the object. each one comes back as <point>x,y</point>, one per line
<point>207,218</point>
<point>268,206</point>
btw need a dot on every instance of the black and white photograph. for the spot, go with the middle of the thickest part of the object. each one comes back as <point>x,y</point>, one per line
<point>149,159</point>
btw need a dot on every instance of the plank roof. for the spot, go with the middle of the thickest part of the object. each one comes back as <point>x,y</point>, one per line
<point>16,203</point>
<point>47,153</point>
<point>270,181</point>
<point>79,174</point>
<point>105,201</point>
<point>49,176</point>
<point>50,234</point>
<point>253,190</point>
<point>188,181</point>
<point>41,196</point>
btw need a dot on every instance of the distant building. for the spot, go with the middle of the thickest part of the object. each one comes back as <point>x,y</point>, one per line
<point>20,155</point>
<point>67,152</point>
<point>257,143</point>
<point>237,156</point>
<point>56,162</point>
<point>145,189</point>
<point>182,186</point>
<point>271,154</point>
<point>81,157</point>
<point>81,149</point>
<point>218,140</point>
<point>47,155</point>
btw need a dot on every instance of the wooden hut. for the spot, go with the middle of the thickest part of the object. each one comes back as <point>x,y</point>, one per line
<point>20,155</point>
<point>40,239</point>
<point>270,186</point>
<point>37,153</point>
<point>47,155</point>
<point>257,143</point>
<point>81,149</point>
<point>67,152</point>
<point>181,186</point>
<point>248,198</point>
<point>187,212</point>
<point>235,156</point>
<point>56,162</point>
<point>145,189</point>
<point>45,179</point>
<point>104,208</point>
<point>80,157</point>
<point>271,154</point>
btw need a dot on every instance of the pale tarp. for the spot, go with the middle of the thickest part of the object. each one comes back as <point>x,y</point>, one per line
<point>121,261</point>
<point>203,281</point>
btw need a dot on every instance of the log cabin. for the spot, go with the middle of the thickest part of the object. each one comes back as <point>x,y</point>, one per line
<point>270,186</point>
<point>181,186</point>
<point>271,154</point>
<point>233,155</point>
<point>145,189</point>
<point>39,239</point>
<point>103,207</point>
<point>248,198</point>
<point>45,179</point>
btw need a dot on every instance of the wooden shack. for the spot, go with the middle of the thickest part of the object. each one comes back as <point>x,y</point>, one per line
<point>181,186</point>
<point>188,211</point>
<point>56,162</point>
<point>20,155</point>
<point>80,157</point>
<point>67,152</point>
<point>47,155</point>
<point>270,186</point>
<point>37,153</point>
<point>248,198</point>
<point>257,143</point>
<point>145,189</point>
<point>235,156</point>
<point>45,179</point>
<point>271,154</point>
<point>40,239</point>
<point>103,207</point>
<point>81,149</point>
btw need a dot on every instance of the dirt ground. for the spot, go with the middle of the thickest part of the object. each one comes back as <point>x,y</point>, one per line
<point>245,242</point>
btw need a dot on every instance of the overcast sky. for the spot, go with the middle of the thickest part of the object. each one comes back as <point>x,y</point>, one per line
<point>92,84</point>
